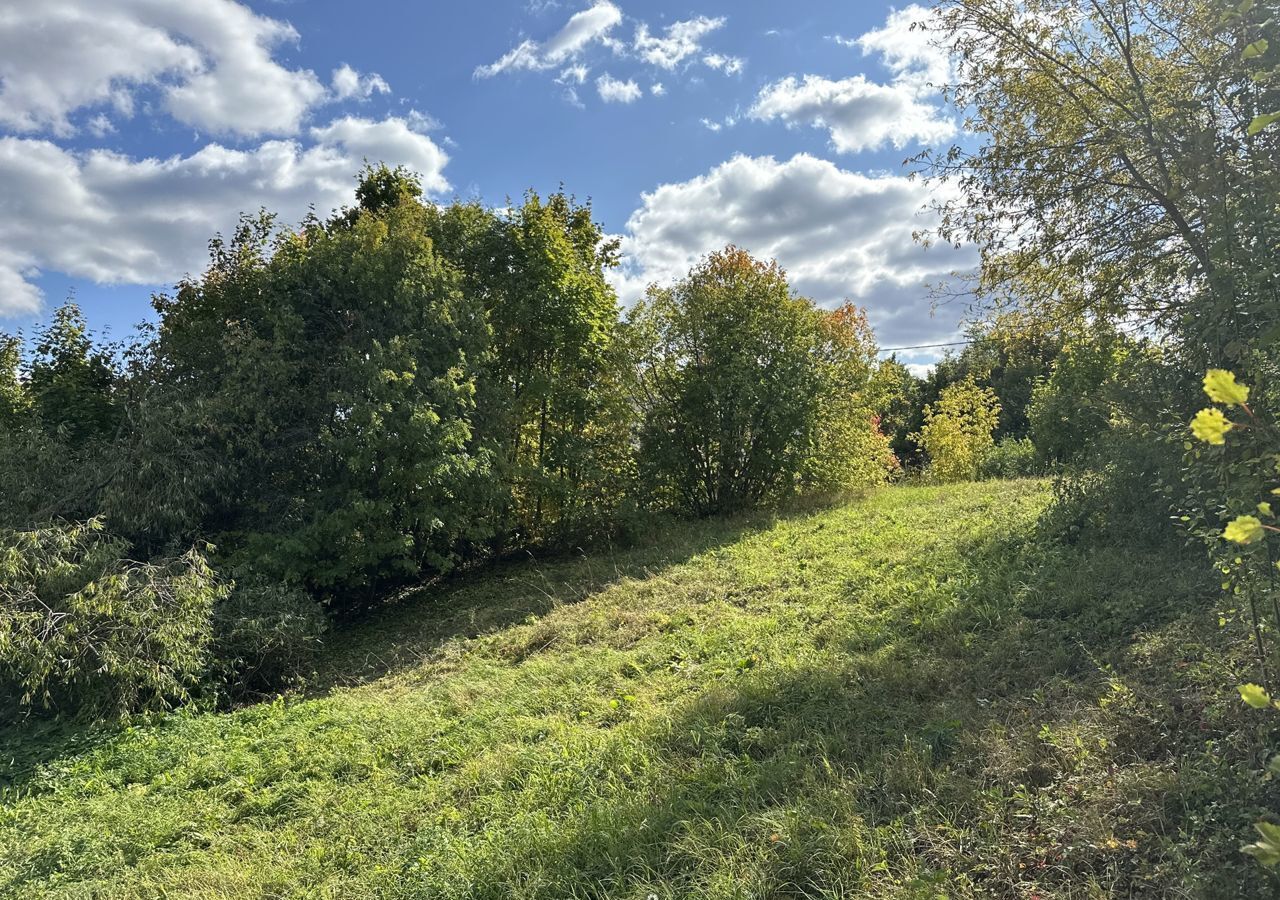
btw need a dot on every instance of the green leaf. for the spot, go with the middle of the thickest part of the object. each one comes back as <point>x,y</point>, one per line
<point>1267,849</point>
<point>1254,695</point>
<point>1256,49</point>
<point>1262,121</point>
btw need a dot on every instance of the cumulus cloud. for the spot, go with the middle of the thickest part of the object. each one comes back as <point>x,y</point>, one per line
<point>861,114</point>
<point>612,90</point>
<point>112,218</point>
<point>907,45</point>
<point>210,64</point>
<point>681,41</point>
<point>840,235</point>
<point>584,28</point>
<point>349,84</point>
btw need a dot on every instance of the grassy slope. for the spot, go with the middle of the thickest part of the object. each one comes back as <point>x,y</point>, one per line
<point>906,696</point>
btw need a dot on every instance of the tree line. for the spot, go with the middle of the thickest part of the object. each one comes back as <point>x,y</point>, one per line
<point>336,411</point>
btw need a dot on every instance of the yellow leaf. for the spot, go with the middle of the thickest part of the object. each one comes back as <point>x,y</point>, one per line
<point>1211,426</point>
<point>1244,530</point>
<point>1221,386</point>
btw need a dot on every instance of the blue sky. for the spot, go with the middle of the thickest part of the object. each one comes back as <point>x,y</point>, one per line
<point>132,130</point>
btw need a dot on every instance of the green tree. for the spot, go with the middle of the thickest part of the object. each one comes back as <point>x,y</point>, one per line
<point>895,396</point>
<point>60,412</point>
<point>850,449</point>
<point>1078,402</point>
<point>328,376</point>
<point>14,399</point>
<point>1117,173</point>
<point>731,384</point>
<point>553,395</point>
<point>72,382</point>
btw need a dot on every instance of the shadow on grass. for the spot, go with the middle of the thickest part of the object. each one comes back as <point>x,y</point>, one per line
<point>1030,739</point>
<point>409,630</point>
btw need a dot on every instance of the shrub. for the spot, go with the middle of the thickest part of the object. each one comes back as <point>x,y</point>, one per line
<point>1072,408</point>
<point>850,450</point>
<point>731,385</point>
<point>265,637</point>
<point>1011,458</point>
<point>85,630</point>
<point>552,397</point>
<point>957,430</point>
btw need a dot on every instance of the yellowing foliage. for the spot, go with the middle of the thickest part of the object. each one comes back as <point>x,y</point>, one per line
<point>958,429</point>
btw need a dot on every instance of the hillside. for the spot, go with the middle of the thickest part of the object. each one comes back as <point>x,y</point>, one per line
<point>914,694</point>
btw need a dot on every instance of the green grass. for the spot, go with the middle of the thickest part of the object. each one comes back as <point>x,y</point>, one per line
<point>916,694</point>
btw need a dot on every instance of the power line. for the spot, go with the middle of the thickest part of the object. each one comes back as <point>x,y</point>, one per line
<point>924,346</point>
<point>974,341</point>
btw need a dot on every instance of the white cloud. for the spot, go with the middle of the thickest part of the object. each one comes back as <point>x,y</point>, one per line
<point>907,45</point>
<point>349,84</point>
<point>116,219</point>
<point>100,125</point>
<point>574,75</point>
<point>18,296</point>
<point>612,90</point>
<point>861,114</point>
<point>209,62</point>
<point>839,234</point>
<point>583,28</point>
<point>570,51</point>
<point>731,65</point>
<point>681,41</point>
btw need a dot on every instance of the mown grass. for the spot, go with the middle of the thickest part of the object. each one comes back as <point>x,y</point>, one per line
<point>917,694</point>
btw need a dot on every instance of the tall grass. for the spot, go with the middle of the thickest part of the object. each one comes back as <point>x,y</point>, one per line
<point>915,694</point>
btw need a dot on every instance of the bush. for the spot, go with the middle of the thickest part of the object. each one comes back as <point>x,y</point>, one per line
<point>265,637</point>
<point>327,378</point>
<point>1072,408</point>
<point>749,392</point>
<point>957,431</point>
<point>850,450</point>
<point>1011,458</point>
<point>84,630</point>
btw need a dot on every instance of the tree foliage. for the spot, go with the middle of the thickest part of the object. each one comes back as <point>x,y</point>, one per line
<point>1077,403</point>
<point>85,629</point>
<point>745,386</point>
<point>958,430</point>
<point>553,391</point>
<point>328,375</point>
<point>1117,173</point>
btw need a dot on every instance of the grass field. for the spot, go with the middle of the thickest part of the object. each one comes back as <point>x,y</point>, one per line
<point>917,694</point>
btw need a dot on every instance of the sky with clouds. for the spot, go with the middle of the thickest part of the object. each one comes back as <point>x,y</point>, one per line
<point>132,131</point>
